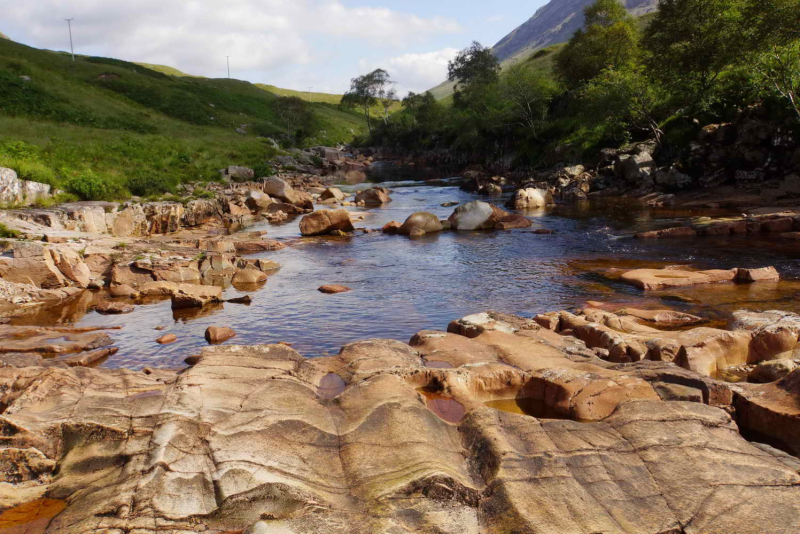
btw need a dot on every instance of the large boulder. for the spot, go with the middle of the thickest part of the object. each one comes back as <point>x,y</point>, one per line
<point>326,221</point>
<point>637,168</point>
<point>279,188</point>
<point>374,196</point>
<point>530,198</point>
<point>422,220</point>
<point>475,215</point>
<point>236,173</point>
<point>257,200</point>
<point>775,333</point>
<point>332,193</point>
<point>16,191</point>
<point>672,178</point>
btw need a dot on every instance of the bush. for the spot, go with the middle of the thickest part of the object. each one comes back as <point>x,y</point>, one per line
<point>88,186</point>
<point>5,231</point>
<point>199,192</point>
<point>263,170</point>
<point>147,184</point>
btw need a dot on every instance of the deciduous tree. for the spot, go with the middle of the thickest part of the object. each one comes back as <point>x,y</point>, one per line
<point>609,38</point>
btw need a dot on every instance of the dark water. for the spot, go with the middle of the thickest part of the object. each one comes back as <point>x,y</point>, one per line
<point>401,286</point>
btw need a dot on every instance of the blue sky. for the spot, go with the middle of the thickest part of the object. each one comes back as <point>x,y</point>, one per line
<point>295,44</point>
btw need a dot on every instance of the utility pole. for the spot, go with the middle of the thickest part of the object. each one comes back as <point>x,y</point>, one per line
<point>309,93</point>
<point>228,58</point>
<point>71,49</point>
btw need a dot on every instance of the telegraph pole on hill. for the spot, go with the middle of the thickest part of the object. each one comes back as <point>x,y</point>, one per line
<point>228,58</point>
<point>71,49</point>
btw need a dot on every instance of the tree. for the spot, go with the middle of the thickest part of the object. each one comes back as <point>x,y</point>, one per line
<point>609,39</point>
<point>368,90</point>
<point>387,96</point>
<point>771,22</point>
<point>529,92</point>
<point>473,65</point>
<point>691,42</point>
<point>778,70</point>
<point>295,115</point>
<point>626,98</point>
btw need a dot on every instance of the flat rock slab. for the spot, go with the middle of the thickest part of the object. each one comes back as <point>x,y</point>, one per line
<point>654,279</point>
<point>250,438</point>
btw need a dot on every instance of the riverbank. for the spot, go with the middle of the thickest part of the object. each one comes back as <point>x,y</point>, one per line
<point>123,379</point>
<point>512,425</point>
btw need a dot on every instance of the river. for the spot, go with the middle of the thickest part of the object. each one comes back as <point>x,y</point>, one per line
<point>401,286</point>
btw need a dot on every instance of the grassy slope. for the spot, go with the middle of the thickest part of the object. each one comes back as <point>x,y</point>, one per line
<point>321,98</point>
<point>122,121</point>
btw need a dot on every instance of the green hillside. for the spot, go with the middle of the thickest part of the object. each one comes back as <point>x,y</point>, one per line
<point>305,95</point>
<point>130,128</point>
<point>164,69</point>
<point>4,36</point>
<point>308,96</point>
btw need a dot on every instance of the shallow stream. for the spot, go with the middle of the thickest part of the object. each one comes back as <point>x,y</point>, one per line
<point>401,286</point>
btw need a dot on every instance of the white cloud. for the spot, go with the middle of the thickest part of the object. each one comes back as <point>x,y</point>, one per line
<point>265,38</point>
<point>415,72</point>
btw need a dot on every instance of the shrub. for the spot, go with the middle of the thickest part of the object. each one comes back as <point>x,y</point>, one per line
<point>147,184</point>
<point>263,170</point>
<point>199,192</point>
<point>5,231</point>
<point>88,186</point>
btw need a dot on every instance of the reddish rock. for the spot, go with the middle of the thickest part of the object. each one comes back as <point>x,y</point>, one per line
<point>123,290</point>
<point>513,221</point>
<point>373,197</point>
<point>391,227</point>
<point>218,334</point>
<point>167,339</point>
<point>680,231</point>
<point>764,274</point>
<point>326,221</point>
<point>778,225</point>
<point>113,308</point>
<point>334,288</point>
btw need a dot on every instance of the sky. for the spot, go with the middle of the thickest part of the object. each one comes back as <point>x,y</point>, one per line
<point>316,45</point>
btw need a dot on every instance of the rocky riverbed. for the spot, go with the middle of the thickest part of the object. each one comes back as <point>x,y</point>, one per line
<point>286,356</point>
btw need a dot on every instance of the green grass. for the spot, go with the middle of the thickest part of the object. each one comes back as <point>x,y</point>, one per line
<point>305,95</point>
<point>169,71</point>
<point>105,128</point>
<point>7,232</point>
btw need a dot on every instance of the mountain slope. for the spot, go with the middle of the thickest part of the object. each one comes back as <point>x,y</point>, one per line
<point>555,23</point>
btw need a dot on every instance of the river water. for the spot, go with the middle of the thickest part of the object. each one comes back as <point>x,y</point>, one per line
<point>401,286</point>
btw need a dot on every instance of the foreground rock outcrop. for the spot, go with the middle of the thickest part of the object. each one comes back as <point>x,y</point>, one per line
<point>512,429</point>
